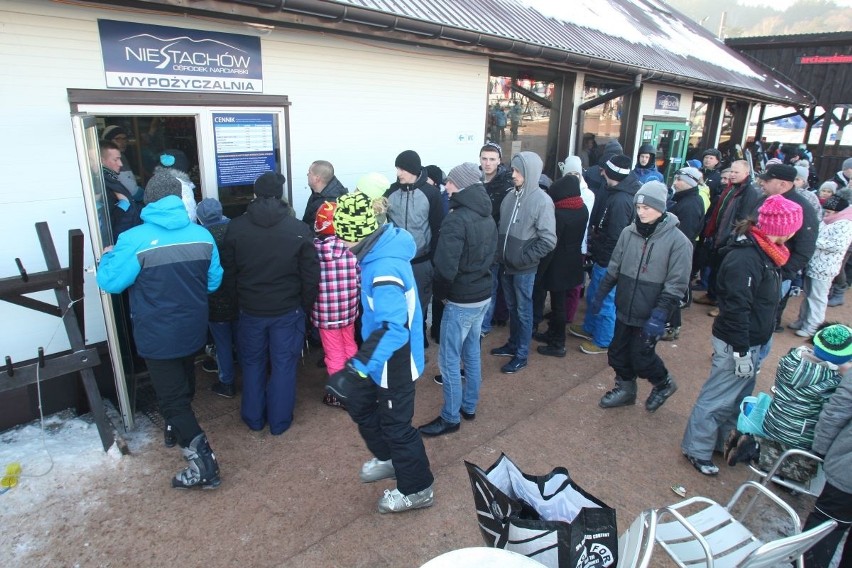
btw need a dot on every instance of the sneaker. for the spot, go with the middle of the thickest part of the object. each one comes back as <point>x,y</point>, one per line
<point>706,467</point>
<point>210,365</point>
<point>803,333</point>
<point>396,502</point>
<point>483,334</point>
<point>551,350</point>
<point>671,334</point>
<point>210,350</point>
<point>225,390</point>
<point>169,436</point>
<point>513,366</point>
<point>592,349</point>
<point>376,469</point>
<point>439,380</point>
<point>504,351</point>
<point>713,313</point>
<point>577,330</point>
<point>660,394</point>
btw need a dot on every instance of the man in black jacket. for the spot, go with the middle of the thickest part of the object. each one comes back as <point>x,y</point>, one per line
<point>272,268</point>
<point>324,187</point>
<point>463,257</point>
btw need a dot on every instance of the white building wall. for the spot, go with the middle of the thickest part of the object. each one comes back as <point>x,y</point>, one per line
<point>355,102</point>
<point>647,110</point>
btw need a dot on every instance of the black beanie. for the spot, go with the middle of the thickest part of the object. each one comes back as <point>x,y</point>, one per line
<point>409,161</point>
<point>618,167</point>
<point>270,184</point>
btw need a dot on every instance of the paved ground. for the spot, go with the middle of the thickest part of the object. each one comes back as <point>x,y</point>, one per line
<point>295,499</point>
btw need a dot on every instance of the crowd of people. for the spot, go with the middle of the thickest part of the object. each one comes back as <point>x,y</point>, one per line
<point>484,245</point>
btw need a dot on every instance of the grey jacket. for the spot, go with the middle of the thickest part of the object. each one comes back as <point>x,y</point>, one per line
<point>527,229</point>
<point>833,436</point>
<point>650,273</point>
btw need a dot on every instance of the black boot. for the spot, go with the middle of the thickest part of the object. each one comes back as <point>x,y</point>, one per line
<point>660,394</point>
<point>203,469</point>
<point>624,394</point>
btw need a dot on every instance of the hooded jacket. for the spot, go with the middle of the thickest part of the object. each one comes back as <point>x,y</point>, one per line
<point>269,260</point>
<point>330,192</point>
<point>170,265</point>
<point>649,172</point>
<point>649,272</point>
<point>497,188</point>
<point>417,208</point>
<point>527,224</point>
<point>595,179</point>
<point>466,248</point>
<point>616,214</point>
<point>748,286</point>
<point>688,206</point>
<point>833,436</point>
<point>392,350</point>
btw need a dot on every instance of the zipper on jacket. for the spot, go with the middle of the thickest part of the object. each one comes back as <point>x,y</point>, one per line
<point>407,201</point>
<point>511,222</point>
<point>638,272</point>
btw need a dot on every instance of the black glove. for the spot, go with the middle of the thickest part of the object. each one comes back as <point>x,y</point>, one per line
<point>342,383</point>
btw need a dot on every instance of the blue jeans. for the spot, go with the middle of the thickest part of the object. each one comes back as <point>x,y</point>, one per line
<point>460,329</point>
<point>489,311</point>
<point>518,289</point>
<point>600,326</point>
<point>224,333</point>
<point>273,343</point>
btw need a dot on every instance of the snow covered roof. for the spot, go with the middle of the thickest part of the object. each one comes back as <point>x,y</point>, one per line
<point>631,36</point>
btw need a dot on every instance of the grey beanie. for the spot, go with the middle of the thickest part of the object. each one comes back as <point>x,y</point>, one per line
<point>161,185</point>
<point>653,194</point>
<point>692,176</point>
<point>802,172</point>
<point>464,175</point>
<point>209,211</point>
<point>847,164</point>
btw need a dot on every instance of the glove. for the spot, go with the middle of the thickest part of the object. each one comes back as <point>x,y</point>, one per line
<point>595,305</point>
<point>743,365</point>
<point>656,325</point>
<point>342,383</point>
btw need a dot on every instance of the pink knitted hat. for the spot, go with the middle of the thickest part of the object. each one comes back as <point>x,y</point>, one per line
<point>779,217</point>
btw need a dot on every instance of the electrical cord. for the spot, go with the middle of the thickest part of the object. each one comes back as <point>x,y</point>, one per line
<point>40,405</point>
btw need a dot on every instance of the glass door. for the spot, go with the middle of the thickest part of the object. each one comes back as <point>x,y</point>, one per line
<point>85,130</point>
<point>670,139</point>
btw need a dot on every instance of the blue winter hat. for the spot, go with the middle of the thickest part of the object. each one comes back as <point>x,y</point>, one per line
<point>209,212</point>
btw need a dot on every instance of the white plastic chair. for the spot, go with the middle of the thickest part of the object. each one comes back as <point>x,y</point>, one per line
<point>713,537</point>
<point>813,487</point>
<point>636,544</point>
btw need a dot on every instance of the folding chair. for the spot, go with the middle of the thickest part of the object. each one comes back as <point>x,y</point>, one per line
<point>813,487</point>
<point>713,537</point>
<point>636,544</point>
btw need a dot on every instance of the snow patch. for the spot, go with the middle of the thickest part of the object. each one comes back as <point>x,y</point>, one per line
<point>666,33</point>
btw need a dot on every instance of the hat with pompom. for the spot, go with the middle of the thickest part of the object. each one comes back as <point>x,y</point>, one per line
<point>834,344</point>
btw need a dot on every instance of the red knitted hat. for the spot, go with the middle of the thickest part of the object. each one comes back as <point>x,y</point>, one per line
<point>779,217</point>
<point>324,224</point>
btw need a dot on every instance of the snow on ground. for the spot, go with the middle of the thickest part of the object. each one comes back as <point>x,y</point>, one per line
<point>60,457</point>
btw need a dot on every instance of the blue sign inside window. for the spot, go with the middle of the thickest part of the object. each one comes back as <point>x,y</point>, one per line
<point>245,147</point>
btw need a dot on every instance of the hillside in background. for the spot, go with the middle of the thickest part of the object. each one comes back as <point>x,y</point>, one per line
<point>803,17</point>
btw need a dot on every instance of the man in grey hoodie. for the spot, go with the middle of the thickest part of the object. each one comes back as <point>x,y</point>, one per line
<point>527,232</point>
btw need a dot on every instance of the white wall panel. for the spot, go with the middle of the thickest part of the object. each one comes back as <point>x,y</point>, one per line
<point>355,102</point>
